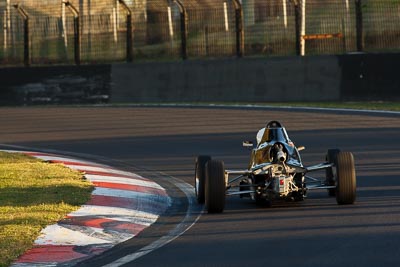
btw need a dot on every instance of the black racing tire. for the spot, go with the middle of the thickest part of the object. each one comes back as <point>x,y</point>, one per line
<point>330,177</point>
<point>215,186</point>
<point>200,178</point>
<point>346,178</point>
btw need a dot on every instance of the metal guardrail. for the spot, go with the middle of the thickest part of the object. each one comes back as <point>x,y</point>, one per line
<point>118,30</point>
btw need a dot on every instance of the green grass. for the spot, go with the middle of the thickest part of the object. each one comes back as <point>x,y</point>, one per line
<point>34,194</point>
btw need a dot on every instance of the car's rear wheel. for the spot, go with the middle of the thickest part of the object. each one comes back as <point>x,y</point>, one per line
<point>200,177</point>
<point>330,176</point>
<point>215,188</point>
<point>346,178</point>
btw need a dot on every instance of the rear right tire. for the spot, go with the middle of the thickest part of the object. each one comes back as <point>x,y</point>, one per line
<point>215,189</point>
<point>200,177</point>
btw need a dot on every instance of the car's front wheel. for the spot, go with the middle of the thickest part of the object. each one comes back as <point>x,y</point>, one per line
<point>346,178</point>
<point>215,186</point>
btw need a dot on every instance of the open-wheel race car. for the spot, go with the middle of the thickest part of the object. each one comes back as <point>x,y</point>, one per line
<point>275,172</point>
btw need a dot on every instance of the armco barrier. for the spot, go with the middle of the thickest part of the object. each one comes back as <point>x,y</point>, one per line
<point>357,77</point>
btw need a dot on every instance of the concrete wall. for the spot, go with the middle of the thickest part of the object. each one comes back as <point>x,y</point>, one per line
<point>370,77</point>
<point>359,77</point>
<point>232,80</point>
<point>55,85</point>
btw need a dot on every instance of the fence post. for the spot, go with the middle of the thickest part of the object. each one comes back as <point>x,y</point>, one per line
<point>359,26</point>
<point>239,28</point>
<point>184,26</point>
<point>297,17</point>
<point>129,32</point>
<point>77,34</point>
<point>27,51</point>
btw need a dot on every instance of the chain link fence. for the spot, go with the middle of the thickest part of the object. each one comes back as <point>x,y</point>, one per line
<point>96,31</point>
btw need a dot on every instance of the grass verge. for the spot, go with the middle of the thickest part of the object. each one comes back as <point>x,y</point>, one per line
<point>34,194</point>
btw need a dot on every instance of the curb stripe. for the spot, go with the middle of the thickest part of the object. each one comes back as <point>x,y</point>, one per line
<point>101,169</point>
<point>124,227</point>
<point>109,174</point>
<point>73,163</point>
<point>117,214</point>
<point>58,235</point>
<point>141,205</point>
<point>136,188</point>
<point>123,180</point>
<point>128,194</point>
<point>107,236</point>
<point>50,254</point>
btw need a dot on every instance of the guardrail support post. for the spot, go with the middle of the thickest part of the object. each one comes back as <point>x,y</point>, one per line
<point>359,26</point>
<point>27,52</point>
<point>129,32</point>
<point>297,17</point>
<point>184,28</point>
<point>239,28</point>
<point>77,34</point>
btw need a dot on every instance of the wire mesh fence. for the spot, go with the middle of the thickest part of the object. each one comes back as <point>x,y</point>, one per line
<point>270,28</point>
<point>381,24</point>
<point>93,31</point>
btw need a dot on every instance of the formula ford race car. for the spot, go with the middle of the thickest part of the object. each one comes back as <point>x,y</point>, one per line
<point>275,172</point>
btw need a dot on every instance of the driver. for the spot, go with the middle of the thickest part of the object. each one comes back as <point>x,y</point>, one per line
<point>260,134</point>
<point>260,138</point>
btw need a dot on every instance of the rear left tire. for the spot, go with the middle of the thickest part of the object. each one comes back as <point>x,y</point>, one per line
<point>215,187</point>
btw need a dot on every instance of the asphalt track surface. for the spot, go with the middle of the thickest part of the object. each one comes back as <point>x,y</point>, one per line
<point>162,142</point>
